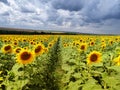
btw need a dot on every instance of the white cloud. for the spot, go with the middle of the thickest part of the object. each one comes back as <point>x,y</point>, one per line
<point>4,9</point>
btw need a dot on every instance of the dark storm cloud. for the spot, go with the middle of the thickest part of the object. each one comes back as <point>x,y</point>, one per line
<point>94,11</point>
<point>71,5</point>
<point>26,10</point>
<point>98,11</point>
<point>4,1</point>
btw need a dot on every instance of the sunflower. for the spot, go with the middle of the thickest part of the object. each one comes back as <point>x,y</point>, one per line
<point>94,57</point>
<point>31,42</point>
<point>65,45</point>
<point>50,44</point>
<point>15,43</point>
<point>45,50</point>
<point>39,49</point>
<point>17,50</point>
<point>83,46</point>
<point>111,42</point>
<point>25,57</point>
<point>117,60</point>
<point>92,43</point>
<point>77,43</point>
<point>4,40</point>
<point>26,48</point>
<point>103,45</point>
<point>7,48</point>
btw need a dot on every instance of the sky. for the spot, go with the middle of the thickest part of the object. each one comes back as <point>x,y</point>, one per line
<point>84,16</point>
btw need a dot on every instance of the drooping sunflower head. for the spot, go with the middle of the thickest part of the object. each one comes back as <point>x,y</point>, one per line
<point>17,50</point>
<point>94,57</point>
<point>25,57</point>
<point>7,48</point>
<point>77,43</point>
<point>39,49</point>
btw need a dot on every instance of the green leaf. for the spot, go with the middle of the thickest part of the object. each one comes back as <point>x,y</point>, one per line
<point>91,84</point>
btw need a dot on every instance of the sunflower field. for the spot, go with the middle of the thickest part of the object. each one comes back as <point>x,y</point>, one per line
<point>59,62</point>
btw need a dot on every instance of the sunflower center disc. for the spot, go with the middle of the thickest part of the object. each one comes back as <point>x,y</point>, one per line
<point>38,49</point>
<point>82,47</point>
<point>93,57</point>
<point>7,48</point>
<point>25,56</point>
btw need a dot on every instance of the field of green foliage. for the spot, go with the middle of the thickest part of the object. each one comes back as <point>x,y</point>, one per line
<point>59,62</point>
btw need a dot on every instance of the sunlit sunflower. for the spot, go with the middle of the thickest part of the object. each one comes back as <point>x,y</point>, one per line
<point>15,43</point>
<point>4,40</point>
<point>83,46</point>
<point>50,44</point>
<point>7,48</point>
<point>31,42</point>
<point>81,40</point>
<point>25,57</point>
<point>64,45</point>
<point>103,45</point>
<point>26,48</point>
<point>94,57</point>
<point>117,60</point>
<point>111,42</point>
<point>92,43</point>
<point>39,49</point>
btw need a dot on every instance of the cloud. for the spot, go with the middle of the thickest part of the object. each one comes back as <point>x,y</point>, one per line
<point>4,1</point>
<point>4,9</point>
<point>98,11</point>
<point>96,16</point>
<point>70,5</point>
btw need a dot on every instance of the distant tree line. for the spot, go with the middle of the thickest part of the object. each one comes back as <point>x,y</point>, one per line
<point>22,32</point>
<point>16,32</point>
<point>33,32</point>
<point>19,32</point>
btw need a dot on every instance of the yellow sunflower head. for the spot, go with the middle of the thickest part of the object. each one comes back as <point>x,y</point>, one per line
<point>15,43</point>
<point>103,45</point>
<point>50,44</point>
<point>94,57</point>
<point>111,42</point>
<point>31,42</point>
<point>7,48</point>
<point>83,46</point>
<point>26,48</point>
<point>25,57</point>
<point>39,49</point>
<point>92,43</point>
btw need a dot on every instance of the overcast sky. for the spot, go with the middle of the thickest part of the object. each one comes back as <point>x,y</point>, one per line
<point>87,16</point>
